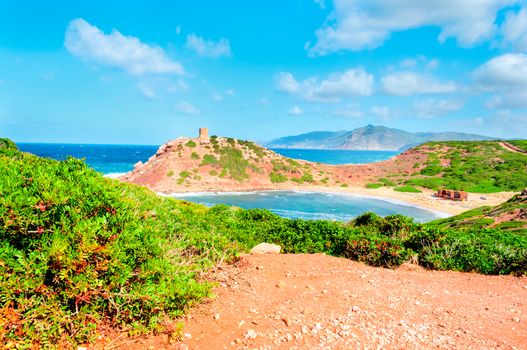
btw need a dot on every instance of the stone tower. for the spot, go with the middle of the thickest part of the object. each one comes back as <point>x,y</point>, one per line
<point>204,135</point>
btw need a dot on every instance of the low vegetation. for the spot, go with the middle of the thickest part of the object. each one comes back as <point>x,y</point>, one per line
<point>80,252</point>
<point>481,167</point>
<point>407,188</point>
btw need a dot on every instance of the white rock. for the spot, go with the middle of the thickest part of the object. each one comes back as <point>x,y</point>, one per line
<point>250,334</point>
<point>266,248</point>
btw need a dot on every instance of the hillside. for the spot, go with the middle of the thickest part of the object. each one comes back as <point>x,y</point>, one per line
<point>368,138</point>
<point>82,256</point>
<point>223,164</point>
<point>509,216</point>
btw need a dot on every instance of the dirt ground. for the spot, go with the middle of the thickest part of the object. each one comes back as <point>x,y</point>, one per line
<point>321,302</point>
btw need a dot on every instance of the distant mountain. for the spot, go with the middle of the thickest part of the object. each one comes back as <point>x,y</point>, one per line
<point>369,138</point>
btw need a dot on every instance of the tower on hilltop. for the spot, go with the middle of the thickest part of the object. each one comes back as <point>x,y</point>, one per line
<point>204,135</point>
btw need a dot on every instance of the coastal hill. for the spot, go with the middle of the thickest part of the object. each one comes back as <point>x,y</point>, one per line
<point>378,138</point>
<point>226,164</point>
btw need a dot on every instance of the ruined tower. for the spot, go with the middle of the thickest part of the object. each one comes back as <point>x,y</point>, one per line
<point>204,135</point>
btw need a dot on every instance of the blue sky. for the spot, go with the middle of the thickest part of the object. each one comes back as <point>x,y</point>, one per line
<point>144,72</point>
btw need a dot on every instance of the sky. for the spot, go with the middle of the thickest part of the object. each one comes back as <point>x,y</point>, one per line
<point>144,72</point>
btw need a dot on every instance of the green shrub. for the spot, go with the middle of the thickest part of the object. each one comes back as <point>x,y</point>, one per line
<point>374,185</point>
<point>194,156</point>
<point>191,144</point>
<point>209,159</point>
<point>386,182</point>
<point>376,251</point>
<point>170,173</point>
<point>407,188</point>
<point>277,177</point>
<point>213,173</point>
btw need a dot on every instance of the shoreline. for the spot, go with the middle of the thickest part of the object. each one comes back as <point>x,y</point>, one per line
<point>424,200</point>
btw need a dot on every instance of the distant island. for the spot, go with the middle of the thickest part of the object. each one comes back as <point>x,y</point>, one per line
<point>370,137</point>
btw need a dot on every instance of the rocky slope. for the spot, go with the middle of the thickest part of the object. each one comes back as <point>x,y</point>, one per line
<point>368,138</point>
<point>224,164</point>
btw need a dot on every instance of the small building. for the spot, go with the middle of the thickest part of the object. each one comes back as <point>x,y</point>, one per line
<point>204,135</point>
<point>452,195</point>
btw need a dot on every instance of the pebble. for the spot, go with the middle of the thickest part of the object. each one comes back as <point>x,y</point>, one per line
<point>250,334</point>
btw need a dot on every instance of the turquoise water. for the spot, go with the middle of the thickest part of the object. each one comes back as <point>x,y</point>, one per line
<point>312,205</point>
<point>336,156</point>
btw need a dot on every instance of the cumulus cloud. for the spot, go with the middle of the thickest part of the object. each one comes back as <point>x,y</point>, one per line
<point>432,108</point>
<point>186,108</point>
<point>406,83</point>
<point>514,29</point>
<point>337,86</point>
<point>208,48</point>
<point>506,76</point>
<point>358,24</point>
<point>148,91</point>
<point>117,50</point>
<point>381,111</point>
<point>295,111</point>
<point>349,111</point>
<point>218,96</point>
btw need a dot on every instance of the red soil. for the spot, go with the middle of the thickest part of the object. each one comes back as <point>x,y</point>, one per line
<point>322,302</point>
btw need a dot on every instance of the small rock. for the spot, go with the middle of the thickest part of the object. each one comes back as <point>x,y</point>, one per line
<point>280,284</point>
<point>241,323</point>
<point>287,321</point>
<point>250,334</point>
<point>266,248</point>
<point>82,348</point>
<point>355,309</point>
<point>516,319</point>
<point>217,316</point>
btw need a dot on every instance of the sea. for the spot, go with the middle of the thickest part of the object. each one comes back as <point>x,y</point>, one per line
<point>114,160</point>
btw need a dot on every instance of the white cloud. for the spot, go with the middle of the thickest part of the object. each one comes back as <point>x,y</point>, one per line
<point>339,85</point>
<point>357,24</point>
<point>321,3</point>
<point>514,29</point>
<point>264,101</point>
<point>405,83</point>
<point>295,111</point>
<point>117,50</point>
<point>216,96</point>
<point>506,76</point>
<point>381,111</point>
<point>285,82</point>
<point>349,111</point>
<point>208,48</point>
<point>432,108</point>
<point>186,109</point>
<point>178,30</point>
<point>147,90</point>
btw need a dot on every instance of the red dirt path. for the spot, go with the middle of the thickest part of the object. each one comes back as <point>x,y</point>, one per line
<point>322,302</point>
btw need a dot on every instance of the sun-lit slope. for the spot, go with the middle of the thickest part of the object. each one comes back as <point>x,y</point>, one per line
<point>226,164</point>
<point>510,216</point>
<point>477,166</point>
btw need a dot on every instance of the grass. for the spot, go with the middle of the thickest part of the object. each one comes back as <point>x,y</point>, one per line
<point>407,188</point>
<point>520,144</point>
<point>481,167</point>
<point>277,177</point>
<point>374,185</point>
